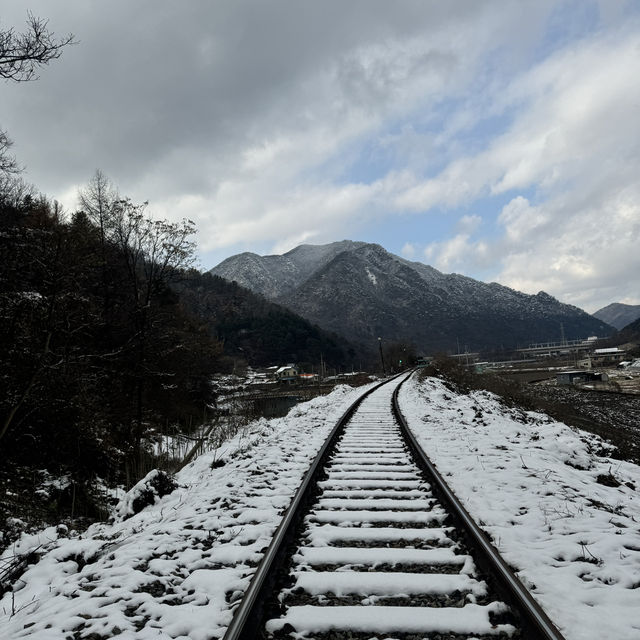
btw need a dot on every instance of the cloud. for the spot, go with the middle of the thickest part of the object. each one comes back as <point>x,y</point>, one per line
<point>408,250</point>
<point>273,124</point>
<point>469,224</point>
<point>456,252</point>
<point>587,257</point>
<point>522,222</point>
<point>573,141</point>
<point>569,109</point>
<point>196,96</point>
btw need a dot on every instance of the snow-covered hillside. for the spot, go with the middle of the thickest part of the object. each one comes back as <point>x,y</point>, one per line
<point>539,488</point>
<point>176,569</point>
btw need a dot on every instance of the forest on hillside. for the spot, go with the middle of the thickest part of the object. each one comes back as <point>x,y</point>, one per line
<point>95,347</point>
<point>108,333</point>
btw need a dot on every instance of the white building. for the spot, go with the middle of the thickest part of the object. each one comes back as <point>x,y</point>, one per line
<point>288,373</point>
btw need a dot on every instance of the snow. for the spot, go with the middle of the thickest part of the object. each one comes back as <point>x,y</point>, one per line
<point>378,503</point>
<point>368,484</point>
<point>176,568</point>
<point>371,475</point>
<point>372,277</point>
<point>125,507</point>
<point>386,583</point>
<point>327,534</point>
<point>375,493</point>
<point>414,517</point>
<point>532,484</point>
<point>471,618</point>
<point>364,464</point>
<point>376,556</point>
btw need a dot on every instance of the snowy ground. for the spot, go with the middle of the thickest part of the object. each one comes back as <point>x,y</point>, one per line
<point>175,569</point>
<point>533,485</point>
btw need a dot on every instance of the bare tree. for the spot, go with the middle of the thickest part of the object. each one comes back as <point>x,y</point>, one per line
<point>22,54</point>
<point>98,201</point>
<point>14,190</point>
<point>8,162</point>
<point>153,251</point>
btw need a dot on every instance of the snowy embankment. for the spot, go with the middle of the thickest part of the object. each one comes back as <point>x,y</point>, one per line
<point>536,487</point>
<point>175,569</point>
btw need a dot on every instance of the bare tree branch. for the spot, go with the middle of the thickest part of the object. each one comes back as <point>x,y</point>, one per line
<point>8,163</point>
<point>21,54</point>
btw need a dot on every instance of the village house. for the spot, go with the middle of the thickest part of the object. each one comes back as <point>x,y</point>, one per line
<point>289,373</point>
<point>607,357</point>
<point>580,377</point>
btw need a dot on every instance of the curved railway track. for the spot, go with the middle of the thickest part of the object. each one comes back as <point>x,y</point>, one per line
<point>375,545</point>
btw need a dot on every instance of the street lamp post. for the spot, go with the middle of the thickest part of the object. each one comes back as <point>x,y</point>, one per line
<point>384,371</point>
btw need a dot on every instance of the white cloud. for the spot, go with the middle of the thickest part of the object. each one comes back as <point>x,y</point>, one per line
<point>469,224</point>
<point>255,120</point>
<point>408,250</point>
<point>573,109</point>
<point>265,98</point>
<point>457,252</point>
<point>521,221</point>
<point>574,141</point>
<point>589,258</point>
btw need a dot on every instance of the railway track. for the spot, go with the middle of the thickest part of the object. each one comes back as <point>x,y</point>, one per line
<point>374,545</point>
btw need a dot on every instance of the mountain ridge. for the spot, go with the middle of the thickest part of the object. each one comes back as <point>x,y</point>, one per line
<point>618,314</point>
<point>272,275</point>
<point>361,291</point>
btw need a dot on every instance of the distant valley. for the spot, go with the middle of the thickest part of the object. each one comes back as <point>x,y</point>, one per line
<point>363,292</point>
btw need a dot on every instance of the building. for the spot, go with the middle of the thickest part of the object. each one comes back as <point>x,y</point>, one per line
<point>563,348</point>
<point>608,357</point>
<point>289,373</point>
<point>580,377</point>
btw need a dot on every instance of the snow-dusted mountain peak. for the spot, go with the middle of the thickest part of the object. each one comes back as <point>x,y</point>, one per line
<point>362,291</point>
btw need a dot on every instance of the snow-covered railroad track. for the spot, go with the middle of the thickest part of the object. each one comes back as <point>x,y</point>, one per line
<point>376,555</point>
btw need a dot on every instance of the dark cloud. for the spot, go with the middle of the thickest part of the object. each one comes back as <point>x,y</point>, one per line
<point>149,78</point>
<point>272,123</point>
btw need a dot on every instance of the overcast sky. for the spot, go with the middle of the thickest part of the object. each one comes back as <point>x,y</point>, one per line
<point>500,139</point>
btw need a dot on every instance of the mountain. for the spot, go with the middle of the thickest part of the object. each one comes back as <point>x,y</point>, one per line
<point>275,276</point>
<point>363,292</point>
<point>630,333</point>
<point>618,315</point>
<point>257,331</point>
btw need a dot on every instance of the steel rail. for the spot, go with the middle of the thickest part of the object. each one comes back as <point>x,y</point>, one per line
<point>248,616</point>
<point>534,619</point>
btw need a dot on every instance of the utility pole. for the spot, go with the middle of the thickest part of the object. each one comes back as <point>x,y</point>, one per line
<point>384,371</point>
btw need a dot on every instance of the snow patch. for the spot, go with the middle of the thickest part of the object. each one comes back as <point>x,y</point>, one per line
<point>372,277</point>
<point>533,483</point>
<point>178,567</point>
